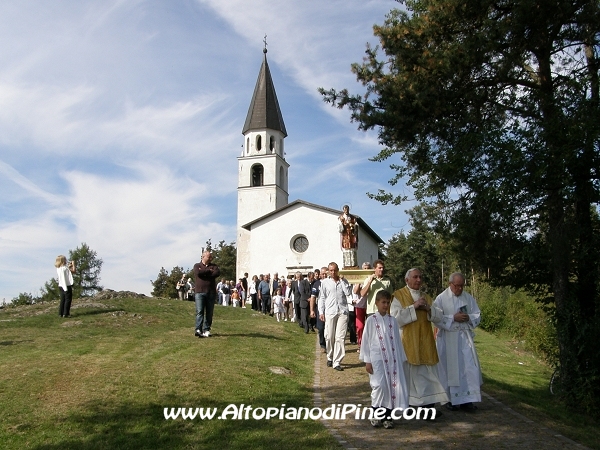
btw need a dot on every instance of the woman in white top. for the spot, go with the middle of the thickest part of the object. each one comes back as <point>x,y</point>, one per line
<point>252,291</point>
<point>65,284</point>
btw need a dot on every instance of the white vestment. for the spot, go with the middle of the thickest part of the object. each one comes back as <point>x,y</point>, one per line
<point>459,367</point>
<point>381,346</point>
<point>424,384</point>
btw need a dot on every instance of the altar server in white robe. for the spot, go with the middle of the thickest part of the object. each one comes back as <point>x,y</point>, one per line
<point>459,369</point>
<point>414,311</point>
<point>383,353</point>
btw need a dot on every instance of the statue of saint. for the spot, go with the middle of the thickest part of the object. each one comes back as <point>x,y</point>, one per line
<point>349,237</point>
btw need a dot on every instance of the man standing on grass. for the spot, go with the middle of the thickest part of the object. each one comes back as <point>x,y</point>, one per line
<point>414,311</point>
<point>205,274</point>
<point>182,288</point>
<point>459,368</point>
<point>264,294</point>
<point>333,310</point>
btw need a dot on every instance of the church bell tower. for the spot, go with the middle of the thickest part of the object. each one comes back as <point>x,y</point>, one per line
<point>262,169</point>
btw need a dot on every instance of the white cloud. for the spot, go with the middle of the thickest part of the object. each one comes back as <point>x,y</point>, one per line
<point>27,186</point>
<point>47,117</point>
<point>137,224</point>
<point>313,41</point>
<point>120,125</point>
<point>137,221</point>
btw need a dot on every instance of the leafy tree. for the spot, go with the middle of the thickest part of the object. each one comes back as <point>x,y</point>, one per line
<point>165,284</point>
<point>174,277</point>
<point>23,298</point>
<point>491,111</point>
<point>424,248</point>
<point>224,256</point>
<point>161,284</point>
<point>50,290</point>
<point>86,278</point>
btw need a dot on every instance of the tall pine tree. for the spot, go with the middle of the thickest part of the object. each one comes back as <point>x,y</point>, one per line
<point>491,110</point>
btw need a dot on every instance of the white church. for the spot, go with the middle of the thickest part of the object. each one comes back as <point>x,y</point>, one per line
<point>274,235</point>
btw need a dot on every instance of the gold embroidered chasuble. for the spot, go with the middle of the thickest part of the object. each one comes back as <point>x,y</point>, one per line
<point>417,337</point>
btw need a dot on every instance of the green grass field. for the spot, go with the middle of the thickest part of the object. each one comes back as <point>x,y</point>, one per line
<point>101,379</point>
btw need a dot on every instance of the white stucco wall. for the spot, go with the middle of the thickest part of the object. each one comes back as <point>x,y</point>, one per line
<point>271,239</point>
<point>250,140</point>
<point>368,249</point>
<point>272,165</point>
<point>258,201</point>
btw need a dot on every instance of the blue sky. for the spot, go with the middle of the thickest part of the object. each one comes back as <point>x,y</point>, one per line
<point>120,125</point>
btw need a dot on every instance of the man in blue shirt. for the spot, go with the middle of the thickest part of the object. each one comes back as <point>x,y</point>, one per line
<point>264,294</point>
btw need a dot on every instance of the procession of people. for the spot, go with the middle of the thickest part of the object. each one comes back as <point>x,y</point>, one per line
<point>408,364</point>
<point>394,329</point>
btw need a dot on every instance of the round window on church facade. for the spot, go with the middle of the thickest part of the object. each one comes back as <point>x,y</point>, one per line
<point>299,243</point>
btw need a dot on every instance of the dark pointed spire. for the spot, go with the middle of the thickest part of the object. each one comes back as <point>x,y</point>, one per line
<point>264,109</point>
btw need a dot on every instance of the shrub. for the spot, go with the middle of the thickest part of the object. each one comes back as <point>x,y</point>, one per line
<point>493,307</point>
<point>23,299</point>
<point>520,316</point>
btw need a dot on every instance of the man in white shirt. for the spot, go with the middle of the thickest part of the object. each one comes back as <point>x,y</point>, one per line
<point>333,310</point>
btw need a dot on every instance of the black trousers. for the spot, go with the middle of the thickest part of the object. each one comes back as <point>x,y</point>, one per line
<point>304,318</point>
<point>266,304</point>
<point>352,326</point>
<point>64,308</point>
<point>321,329</point>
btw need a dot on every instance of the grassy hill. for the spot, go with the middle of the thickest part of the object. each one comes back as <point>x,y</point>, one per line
<point>102,378</point>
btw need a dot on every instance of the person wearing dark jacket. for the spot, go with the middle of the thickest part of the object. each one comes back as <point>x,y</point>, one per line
<point>205,274</point>
<point>301,289</point>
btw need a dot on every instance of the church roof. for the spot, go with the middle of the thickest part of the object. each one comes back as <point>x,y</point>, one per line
<point>264,109</point>
<point>362,224</point>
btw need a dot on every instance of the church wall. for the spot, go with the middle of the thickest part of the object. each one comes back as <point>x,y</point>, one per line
<point>271,166</point>
<point>250,143</point>
<point>368,249</point>
<point>270,246</point>
<point>242,251</point>
<point>258,201</point>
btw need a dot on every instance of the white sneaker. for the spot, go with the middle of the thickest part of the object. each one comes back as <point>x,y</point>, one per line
<point>206,333</point>
<point>293,320</point>
<point>285,320</point>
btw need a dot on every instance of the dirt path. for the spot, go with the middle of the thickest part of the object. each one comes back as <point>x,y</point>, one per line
<point>493,426</point>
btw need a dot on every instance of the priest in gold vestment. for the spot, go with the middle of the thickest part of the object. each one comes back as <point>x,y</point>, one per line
<point>415,312</point>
